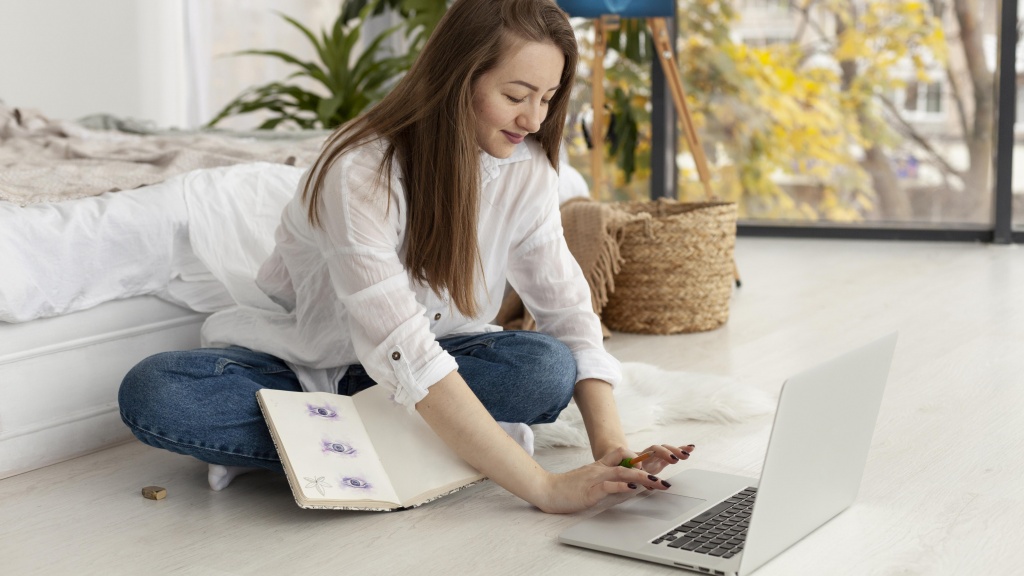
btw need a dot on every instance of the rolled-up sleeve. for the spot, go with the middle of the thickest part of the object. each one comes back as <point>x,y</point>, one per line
<point>552,286</point>
<point>360,240</point>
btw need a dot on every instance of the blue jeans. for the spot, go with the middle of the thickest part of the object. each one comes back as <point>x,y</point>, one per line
<point>203,402</point>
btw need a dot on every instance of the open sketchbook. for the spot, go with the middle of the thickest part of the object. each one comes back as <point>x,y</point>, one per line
<point>361,452</point>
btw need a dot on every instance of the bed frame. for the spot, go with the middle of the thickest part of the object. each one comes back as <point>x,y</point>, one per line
<point>59,377</point>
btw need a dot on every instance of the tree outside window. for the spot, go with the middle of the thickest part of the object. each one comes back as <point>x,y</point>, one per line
<point>871,112</point>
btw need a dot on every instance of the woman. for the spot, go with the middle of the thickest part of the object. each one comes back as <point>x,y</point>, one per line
<point>392,258</point>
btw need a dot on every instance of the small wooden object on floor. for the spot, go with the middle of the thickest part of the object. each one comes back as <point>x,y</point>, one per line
<point>154,492</point>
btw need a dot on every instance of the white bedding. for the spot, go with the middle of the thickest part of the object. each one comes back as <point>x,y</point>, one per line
<point>59,258</point>
<point>195,240</point>
<point>95,276</point>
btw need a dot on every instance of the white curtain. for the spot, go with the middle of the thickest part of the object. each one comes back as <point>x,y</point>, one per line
<point>215,30</point>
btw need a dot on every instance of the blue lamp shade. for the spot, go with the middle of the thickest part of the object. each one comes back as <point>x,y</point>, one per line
<point>622,8</point>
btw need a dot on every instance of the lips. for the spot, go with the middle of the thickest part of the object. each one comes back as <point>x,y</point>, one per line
<point>513,137</point>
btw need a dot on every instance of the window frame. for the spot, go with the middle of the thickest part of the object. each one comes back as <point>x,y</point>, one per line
<point>1000,231</point>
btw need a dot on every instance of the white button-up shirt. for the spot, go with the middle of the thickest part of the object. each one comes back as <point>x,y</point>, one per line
<point>341,295</point>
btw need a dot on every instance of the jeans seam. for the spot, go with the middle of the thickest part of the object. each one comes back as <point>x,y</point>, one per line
<point>138,428</point>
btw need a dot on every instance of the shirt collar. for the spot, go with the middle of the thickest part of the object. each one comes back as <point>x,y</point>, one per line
<point>490,166</point>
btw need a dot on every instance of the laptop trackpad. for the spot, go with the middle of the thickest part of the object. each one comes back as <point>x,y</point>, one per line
<point>661,505</point>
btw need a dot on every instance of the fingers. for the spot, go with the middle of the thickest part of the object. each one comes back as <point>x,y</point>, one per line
<point>639,478</point>
<point>665,455</point>
<point>617,478</point>
<point>615,456</point>
<point>600,479</point>
<point>619,487</point>
<point>674,454</point>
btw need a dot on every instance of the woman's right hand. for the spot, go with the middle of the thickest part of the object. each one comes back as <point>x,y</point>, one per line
<point>585,486</point>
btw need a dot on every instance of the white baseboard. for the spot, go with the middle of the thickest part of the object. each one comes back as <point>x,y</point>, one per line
<point>60,441</point>
<point>60,376</point>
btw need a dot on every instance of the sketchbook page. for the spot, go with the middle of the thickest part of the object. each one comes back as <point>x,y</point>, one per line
<point>327,449</point>
<point>420,465</point>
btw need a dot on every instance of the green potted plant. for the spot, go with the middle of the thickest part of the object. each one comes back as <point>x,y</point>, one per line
<point>347,84</point>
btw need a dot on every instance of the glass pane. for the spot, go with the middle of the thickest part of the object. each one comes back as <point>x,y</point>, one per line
<point>865,116</point>
<point>874,113</point>
<point>626,70</point>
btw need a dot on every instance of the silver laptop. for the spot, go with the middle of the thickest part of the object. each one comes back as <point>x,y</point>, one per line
<point>724,524</point>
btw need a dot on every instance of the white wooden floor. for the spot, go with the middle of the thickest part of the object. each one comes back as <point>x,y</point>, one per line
<point>942,493</point>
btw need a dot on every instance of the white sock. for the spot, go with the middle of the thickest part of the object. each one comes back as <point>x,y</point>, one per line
<point>521,433</point>
<point>220,476</point>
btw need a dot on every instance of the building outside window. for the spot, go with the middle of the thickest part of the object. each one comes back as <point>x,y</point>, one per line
<point>924,99</point>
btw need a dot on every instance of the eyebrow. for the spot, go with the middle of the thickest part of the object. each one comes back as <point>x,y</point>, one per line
<point>531,86</point>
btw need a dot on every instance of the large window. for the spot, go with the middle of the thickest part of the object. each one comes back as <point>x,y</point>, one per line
<point>862,113</point>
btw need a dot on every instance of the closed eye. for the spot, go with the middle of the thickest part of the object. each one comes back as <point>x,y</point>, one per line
<point>521,100</point>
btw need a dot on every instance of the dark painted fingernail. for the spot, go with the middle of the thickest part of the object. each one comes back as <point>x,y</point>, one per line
<point>686,454</point>
<point>690,446</point>
<point>666,484</point>
<point>652,477</point>
<point>631,485</point>
<point>674,457</point>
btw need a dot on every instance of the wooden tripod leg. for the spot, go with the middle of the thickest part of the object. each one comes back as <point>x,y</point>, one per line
<point>663,46</point>
<point>598,126</point>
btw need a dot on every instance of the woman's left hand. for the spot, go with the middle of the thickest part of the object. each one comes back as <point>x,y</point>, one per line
<point>664,454</point>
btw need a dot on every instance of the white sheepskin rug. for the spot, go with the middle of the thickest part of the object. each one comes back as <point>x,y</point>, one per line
<point>649,397</point>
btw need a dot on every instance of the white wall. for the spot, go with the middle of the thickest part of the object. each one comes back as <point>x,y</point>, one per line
<point>70,58</point>
<point>166,61</point>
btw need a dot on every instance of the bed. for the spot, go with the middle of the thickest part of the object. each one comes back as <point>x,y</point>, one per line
<point>93,282</point>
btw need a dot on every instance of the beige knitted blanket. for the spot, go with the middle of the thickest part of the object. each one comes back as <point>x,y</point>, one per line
<point>593,233</point>
<point>44,160</point>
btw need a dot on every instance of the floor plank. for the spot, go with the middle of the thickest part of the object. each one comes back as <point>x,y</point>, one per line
<point>940,493</point>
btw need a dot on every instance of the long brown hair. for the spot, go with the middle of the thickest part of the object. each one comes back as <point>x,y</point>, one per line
<point>428,123</point>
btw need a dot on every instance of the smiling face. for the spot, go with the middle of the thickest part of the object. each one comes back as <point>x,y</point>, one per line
<point>511,100</point>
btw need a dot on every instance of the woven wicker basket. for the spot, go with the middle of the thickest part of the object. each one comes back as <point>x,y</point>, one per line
<point>677,272</point>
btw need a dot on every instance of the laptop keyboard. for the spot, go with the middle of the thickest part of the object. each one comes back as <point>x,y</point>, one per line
<point>719,531</point>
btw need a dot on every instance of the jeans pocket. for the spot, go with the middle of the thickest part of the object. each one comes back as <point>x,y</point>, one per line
<point>471,344</point>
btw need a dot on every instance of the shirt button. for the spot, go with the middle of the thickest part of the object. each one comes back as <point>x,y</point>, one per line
<point>437,316</point>
<point>396,355</point>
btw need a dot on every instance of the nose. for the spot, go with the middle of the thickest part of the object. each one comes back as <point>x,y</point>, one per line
<point>531,119</point>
